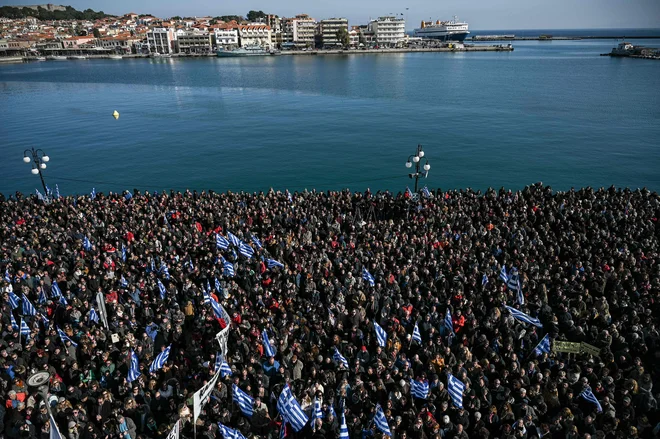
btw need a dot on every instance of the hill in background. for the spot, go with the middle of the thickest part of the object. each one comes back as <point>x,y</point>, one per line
<point>50,12</point>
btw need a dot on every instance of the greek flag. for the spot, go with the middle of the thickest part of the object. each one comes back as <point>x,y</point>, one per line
<point>162,289</point>
<point>165,271</point>
<point>134,368</point>
<point>42,297</point>
<point>25,329</point>
<point>543,346</point>
<point>39,195</point>
<point>86,244</point>
<point>244,401</point>
<point>14,325</point>
<point>272,263</point>
<point>269,351</point>
<point>484,280</point>
<point>28,308</point>
<point>7,276</point>
<point>57,191</point>
<point>426,192</point>
<point>13,300</point>
<point>290,409</point>
<point>221,242</point>
<point>123,282</point>
<point>123,253</point>
<point>520,296</point>
<point>65,337</point>
<point>151,330</point>
<point>519,315</point>
<point>419,389</point>
<point>229,433</point>
<point>63,301</point>
<point>207,297</point>
<point>343,428</point>
<point>54,430</point>
<point>228,268</point>
<point>93,194</point>
<point>256,242</point>
<point>512,279</point>
<point>191,267</point>
<point>93,316</point>
<point>288,196</point>
<point>367,276</point>
<point>217,310</point>
<point>222,366</point>
<point>455,388</point>
<point>55,290</point>
<point>316,412</point>
<point>417,336</point>
<point>218,287</point>
<point>448,321</point>
<point>339,358</point>
<point>589,396</point>
<point>233,239</point>
<point>381,335</point>
<point>160,360</point>
<point>45,320</point>
<point>503,274</point>
<point>381,421</point>
<point>128,195</point>
<point>245,250</point>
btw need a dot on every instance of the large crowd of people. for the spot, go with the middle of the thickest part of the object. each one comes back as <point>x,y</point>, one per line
<point>588,264</point>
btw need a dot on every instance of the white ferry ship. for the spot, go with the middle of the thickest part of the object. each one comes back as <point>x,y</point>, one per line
<point>453,30</point>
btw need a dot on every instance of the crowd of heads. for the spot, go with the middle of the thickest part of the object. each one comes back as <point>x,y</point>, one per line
<point>588,264</point>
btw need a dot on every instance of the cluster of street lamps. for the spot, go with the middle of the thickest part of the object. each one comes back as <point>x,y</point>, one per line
<point>416,159</point>
<point>38,158</point>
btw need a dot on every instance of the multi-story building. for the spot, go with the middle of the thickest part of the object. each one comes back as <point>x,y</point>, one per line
<point>255,34</point>
<point>275,24</point>
<point>328,29</point>
<point>226,35</point>
<point>388,31</point>
<point>193,42</point>
<point>300,30</point>
<point>119,44</point>
<point>161,40</point>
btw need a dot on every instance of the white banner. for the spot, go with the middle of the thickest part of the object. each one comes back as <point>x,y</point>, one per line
<point>174,434</point>
<point>199,398</point>
<point>100,301</point>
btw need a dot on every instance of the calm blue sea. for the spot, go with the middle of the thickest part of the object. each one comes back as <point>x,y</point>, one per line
<point>555,112</point>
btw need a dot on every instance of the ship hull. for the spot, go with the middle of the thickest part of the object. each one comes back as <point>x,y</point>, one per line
<point>443,36</point>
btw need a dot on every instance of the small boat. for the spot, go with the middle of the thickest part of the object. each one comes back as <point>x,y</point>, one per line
<point>115,57</point>
<point>275,52</point>
<point>77,57</point>
<point>154,55</point>
<point>40,58</point>
<point>56,58</point>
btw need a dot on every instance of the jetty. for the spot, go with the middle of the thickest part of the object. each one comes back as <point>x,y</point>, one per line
<point>628,50</point>
<point>546,37</point>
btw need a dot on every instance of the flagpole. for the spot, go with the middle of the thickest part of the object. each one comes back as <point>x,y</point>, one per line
<point>20,331</point>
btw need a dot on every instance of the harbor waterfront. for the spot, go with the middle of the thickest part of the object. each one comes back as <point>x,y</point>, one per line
<point>327,122</point>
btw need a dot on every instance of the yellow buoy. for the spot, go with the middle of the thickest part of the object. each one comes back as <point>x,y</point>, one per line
<point>115,114</point>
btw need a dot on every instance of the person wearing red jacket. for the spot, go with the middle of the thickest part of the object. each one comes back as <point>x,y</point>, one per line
<point>458,320</point>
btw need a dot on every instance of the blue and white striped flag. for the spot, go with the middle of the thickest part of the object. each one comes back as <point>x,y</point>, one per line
<point>589,396</point>
<point>228,268</point>
<point>207,297</point>
<point>269,350</point>
<point>7,276</point>
<point>519,294</point>
<point>221,242</point>
<point>455,387</point>
<point>54,430</point>
<point>123,282</point>
<point>65,337</point>
<point>245,250</point>
<point>317,413</point>
<point>290,409</point>
<point>164,270</point>
<point>340,359</point>
<point>368,277</point>
<point>40,196</point>
<point>448,321</point>
<point>123,253</point>
<point>381,335</point>
<point>134,368</point>
<point>381,421</point>
<point>45,320</point>
<point>162,289</point>
<point>14,325</point>
<point>256,242</point>
<point>343,428</point>
<point>63,301</point>
<point>484,280</point>
<point>416,335</point>
<point>42,297</point>
<point>13,300</point>
<point>503,274</point>
<point>222,366</point>
<point>233,239</point>
<point>217,309</point>
<point>512,279</point>
<point>519,315</point>
<point>426,192</point>
<point>57,191</point>
<point>543,346</point>
<point>93,316</point>
<point>272,263</point>
<point>218,287</point>
<point>419,389</point>
<point>228,433</point>
<point>191,267</point>
<point>93,193</point>
<point>28,308</point>
<point>289,197</point>
<point>55,290</point>
<point>87,245</point>
<point>244,401</point>
<point>160,360</point>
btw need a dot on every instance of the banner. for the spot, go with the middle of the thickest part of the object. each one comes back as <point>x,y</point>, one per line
<point>174,434</point>
<point>590,349</point>
<point>199,398</point>
<point>566,346</point>
<point>100,301</point>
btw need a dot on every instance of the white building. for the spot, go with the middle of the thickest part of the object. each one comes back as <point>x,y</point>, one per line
<point>300,30</point>
<point>255,34</point>
<point>226,36</point>
<point>161,40</point>
<point>388,31</point>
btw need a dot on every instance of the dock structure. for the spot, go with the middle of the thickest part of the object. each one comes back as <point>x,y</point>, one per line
<point>556,38</point>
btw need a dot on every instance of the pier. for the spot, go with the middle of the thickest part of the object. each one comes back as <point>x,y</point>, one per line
<point>556,38</point>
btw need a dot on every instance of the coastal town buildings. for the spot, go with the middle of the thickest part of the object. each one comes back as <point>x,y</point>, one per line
<point>161,40</point>
<point>389,30</point>
<point>329,28</point>
<point>299,30</point>
<point>192,42</point>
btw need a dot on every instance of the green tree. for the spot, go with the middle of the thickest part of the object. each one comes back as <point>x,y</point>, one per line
<point>343,37</point>
<point>176,18</point>
<point>97,33</point>
<point>254,15</point>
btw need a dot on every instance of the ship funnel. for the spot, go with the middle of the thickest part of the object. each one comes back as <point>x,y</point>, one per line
<point>423,24</point>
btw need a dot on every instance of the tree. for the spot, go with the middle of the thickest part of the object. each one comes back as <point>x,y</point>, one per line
<point>255,15</point>
<point>343,37</point>
<point>97,33</point>
<point>176,18</point>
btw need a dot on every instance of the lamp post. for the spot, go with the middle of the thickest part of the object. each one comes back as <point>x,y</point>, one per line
<point>38,158</point>
<point>417,158</point>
